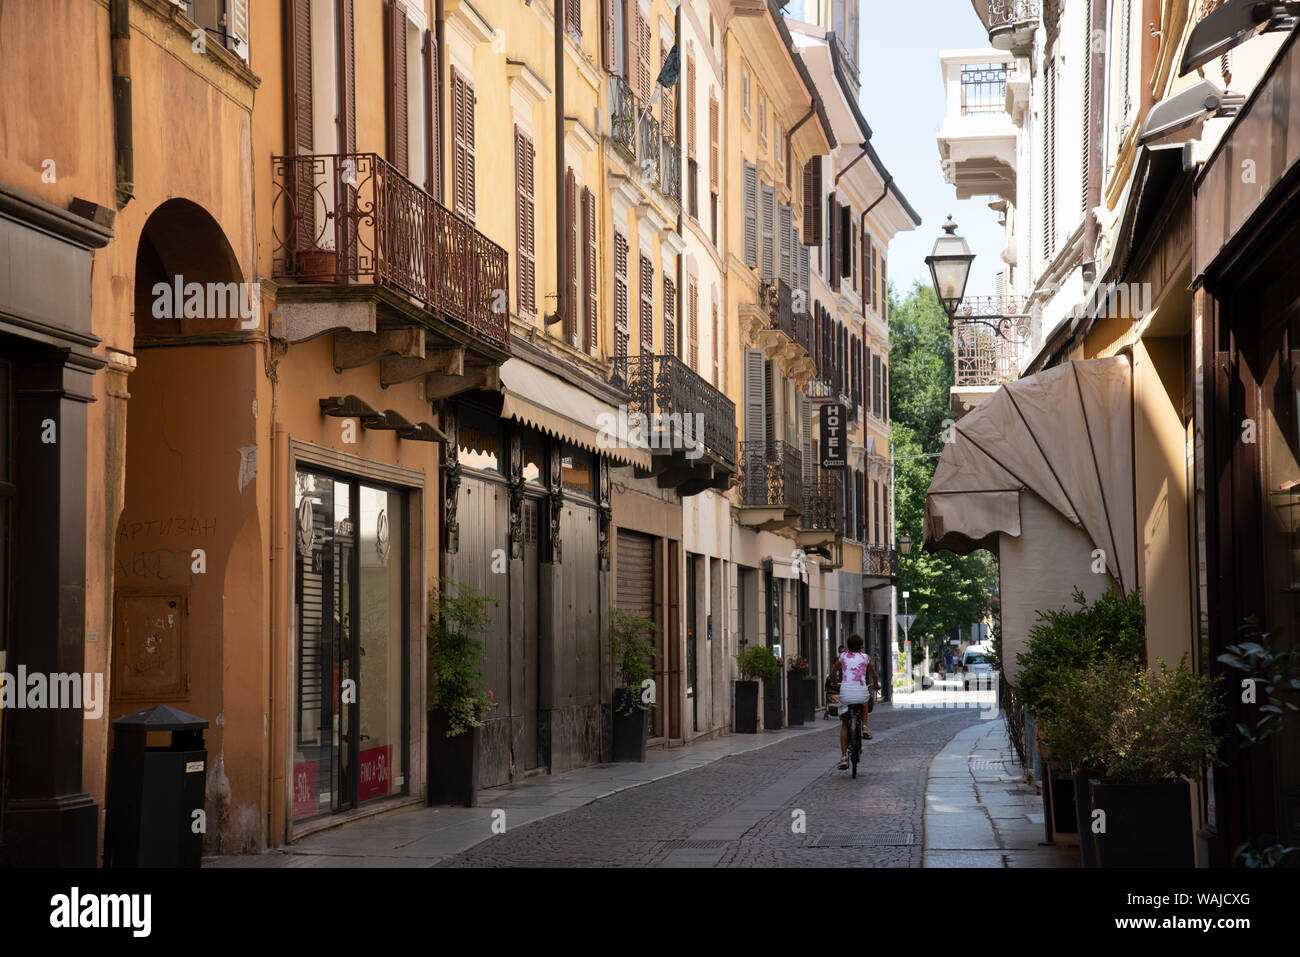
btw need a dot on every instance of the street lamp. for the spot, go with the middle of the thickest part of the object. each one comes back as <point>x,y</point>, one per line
<point>949,264</point>
<point>904,545</point>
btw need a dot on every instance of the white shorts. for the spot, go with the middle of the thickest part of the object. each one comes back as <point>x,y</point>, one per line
<point>852,694</point>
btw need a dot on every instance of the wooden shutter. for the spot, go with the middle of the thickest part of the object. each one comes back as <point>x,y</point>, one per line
<point>571,308</point>
<point>846,230</point>
<point>768,233</point>
<point>803,257</point>
<point>809,204</point>
<point>884,288</point>
<point>639,59</point>
<point>807,441</point>
<point>875,278</point>
<point>865,247</point>
<point>670,316</point>
<point>832,241</point>
<point>646,313</point>
<point>875,386</point>
<point>620,296</point>
<point>751,214</point>
<point>1085,164</point>
<point>668,112</point>
<point>432,118</point>
<point>525,228</point>
<point>693,326</point>
<point>348,76</point>
<point>399,152</point>
<point>884,391</point>
<point>239,28</point>
<point>717,341</point>
<point>463,203</point>
<point>785,244</point>
<point>863,398</point>
<point>609,38</point>
<point>589,271</point>
<point>690,107</point>
<point>1049,158</point>
<point>573,18</point>
<point>755,397</point>
<point>303,214</point>
<point>714,150</point>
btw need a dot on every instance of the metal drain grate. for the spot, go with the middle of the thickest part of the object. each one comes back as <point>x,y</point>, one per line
<point>694,845</point>
<point>863,840</point>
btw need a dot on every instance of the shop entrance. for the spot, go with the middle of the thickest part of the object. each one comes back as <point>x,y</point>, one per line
<point>349,611</point>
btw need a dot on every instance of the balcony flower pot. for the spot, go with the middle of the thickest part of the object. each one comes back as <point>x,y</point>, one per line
<point>631,725</point>
<point>317,265</point>
<point>1148,824</point>
<point>746,707</point>
<point>453,763</point>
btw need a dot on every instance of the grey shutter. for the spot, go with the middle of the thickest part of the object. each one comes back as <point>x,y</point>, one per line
<point>751,215</point>
<point>238,39</point>
<point>755,397</point>
<point>802,259</point>
<point>768,210</point>
<point>785,232</point>
<point>809,446</point>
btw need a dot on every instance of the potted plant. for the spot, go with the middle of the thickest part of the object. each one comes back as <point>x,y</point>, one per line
<point>1160,734</point>
<point>756,663</point>
<point>458,701</point>
<point>1062,643</point>
<point>634,694</point>
<point>316,264</point>
<point>801,692</point>
<point>1072,732</point>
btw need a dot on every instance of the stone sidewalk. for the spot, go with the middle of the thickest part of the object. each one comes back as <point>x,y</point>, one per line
<point>422,836</point>
<point>978,810</point>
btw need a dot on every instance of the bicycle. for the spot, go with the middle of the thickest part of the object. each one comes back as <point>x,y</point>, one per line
<point>855,736</point>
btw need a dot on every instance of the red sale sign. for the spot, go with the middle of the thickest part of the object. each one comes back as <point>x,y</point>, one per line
<point>376,771</point>
<point>304,789</point>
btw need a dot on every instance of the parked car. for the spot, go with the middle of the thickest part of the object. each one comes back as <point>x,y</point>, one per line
<point>977,669</point>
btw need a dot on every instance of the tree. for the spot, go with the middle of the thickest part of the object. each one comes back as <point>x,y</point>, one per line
<point>946,590</point>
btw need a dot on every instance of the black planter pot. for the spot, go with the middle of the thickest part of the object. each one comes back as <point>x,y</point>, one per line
<point>1147,825</point>
<point>794,715</point>
<point>452,764</point>
<point>746,707</point>
<point>773,711</point>
<point>803,700</point>
<point>629,729</point>
<point>1083,809</point>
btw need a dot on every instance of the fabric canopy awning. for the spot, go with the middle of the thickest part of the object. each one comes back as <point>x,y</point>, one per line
<point>1065,434</point>
<point>546,402</point>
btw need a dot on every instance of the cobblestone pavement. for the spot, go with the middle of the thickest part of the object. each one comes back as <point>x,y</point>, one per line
<point>741,811</point>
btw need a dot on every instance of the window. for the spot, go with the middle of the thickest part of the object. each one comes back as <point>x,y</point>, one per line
<point>572,306</point>
<point>776,145</point>
<point>577,467</point>
<point>670,316</point>
<point>589,271</point>
<point>525,236</point>
<point>646,314</point>
<point>762,118</point>
<point>573,18</point>
<point>226,20</point>
<point>620,296</point>
<point>751,215</point>
<point>693,189</point>
<point>717,342</point>
<point>767,231</point>
<point>690,108</point>
<point>812,206</point>
<point>745,92</point>
<point>693,326</point>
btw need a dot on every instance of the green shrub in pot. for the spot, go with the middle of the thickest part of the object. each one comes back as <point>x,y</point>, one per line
<point>757,663</point>
<point>633,652</point>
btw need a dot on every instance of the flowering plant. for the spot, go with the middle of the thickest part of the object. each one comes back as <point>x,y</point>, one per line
<point>798,665</point>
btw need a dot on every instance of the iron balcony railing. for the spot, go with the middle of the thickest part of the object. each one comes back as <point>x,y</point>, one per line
<point>623,112</point>
<point>880,562</point>
<point>673,397</point>
<point>353,218</point>
<point>773,474</point>
<point>1004,14</point>
<point>983,88</point>
<point>823,500</point>
<point>988,337</point>
<point>775,299</point>
<point>670,170</point>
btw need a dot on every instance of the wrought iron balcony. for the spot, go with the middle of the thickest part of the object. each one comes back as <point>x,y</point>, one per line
<point>775,300</point>
<point>773,474</point>
<point>1012,22</point>
<point>983,88</point>
<point>988,339</point>
<point>344,219</point>
<point>880,562</point>
<point>623,113</point>
<point>667,391</point>
<point>670,170</point>
<point>823,500</point>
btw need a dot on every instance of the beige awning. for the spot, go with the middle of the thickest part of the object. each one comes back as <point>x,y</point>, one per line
<point>1065,434</point>
<point>546,402</point>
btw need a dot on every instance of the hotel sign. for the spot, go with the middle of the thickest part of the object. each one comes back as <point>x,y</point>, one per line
<point>834,444</point>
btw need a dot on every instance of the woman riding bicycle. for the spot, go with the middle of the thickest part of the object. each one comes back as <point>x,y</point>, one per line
<point>850,670</point>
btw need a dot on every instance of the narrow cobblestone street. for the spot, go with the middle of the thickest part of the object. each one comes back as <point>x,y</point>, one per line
<point>740,811</point>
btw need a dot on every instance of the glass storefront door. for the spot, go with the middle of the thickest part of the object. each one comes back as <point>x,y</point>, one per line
<point>350,736</point>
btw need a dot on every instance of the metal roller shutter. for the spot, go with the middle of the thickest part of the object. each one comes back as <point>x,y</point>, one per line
<point>635,563</point>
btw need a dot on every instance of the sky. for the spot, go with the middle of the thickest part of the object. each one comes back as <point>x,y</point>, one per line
<point>903,101</point>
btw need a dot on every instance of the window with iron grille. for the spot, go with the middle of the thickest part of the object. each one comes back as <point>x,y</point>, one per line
<point>983,88</point>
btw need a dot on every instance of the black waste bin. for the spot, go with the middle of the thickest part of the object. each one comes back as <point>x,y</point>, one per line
<point>153,792</point>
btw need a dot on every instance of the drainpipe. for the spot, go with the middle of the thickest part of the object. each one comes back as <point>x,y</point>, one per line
<point>862,224</point>
<point>1097,73</point>
<point>440,38</point>
<point>855,162</point>
<point>119,19</point>
<point>561,226</point>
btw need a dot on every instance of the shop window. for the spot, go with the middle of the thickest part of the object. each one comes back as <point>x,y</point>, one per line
<point>534,458</point>
<point>577,467</point>
<point>480,441</point>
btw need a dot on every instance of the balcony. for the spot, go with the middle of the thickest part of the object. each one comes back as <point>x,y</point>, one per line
<point>623,113</point>
<point>771,487</point>
<point>822,521</point>
<point>977,142</point>
<point>670,170</point>
<point>639,137</point>
<point>785,336</point>
<point>1011,24</point>
<point>982,359</point>
<point>880,562</point>
<point>690,426</point>
<point>358,246</point>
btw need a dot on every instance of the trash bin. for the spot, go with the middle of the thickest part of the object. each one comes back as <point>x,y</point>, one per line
<point>153,792</point>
